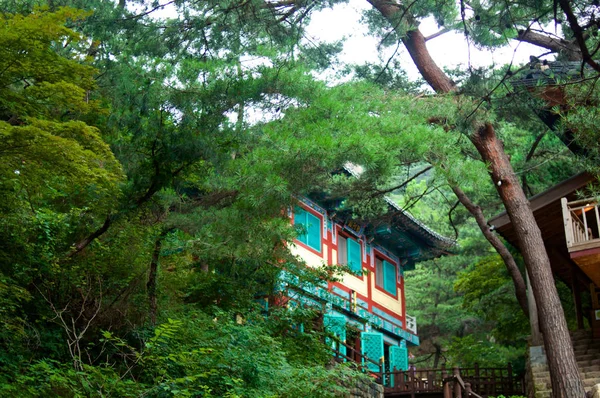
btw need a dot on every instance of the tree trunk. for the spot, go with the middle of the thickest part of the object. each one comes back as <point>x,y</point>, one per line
<point>151,285</point>
<point>437,356</point>
<point>534,320</point>
<point>566,381</point>
<point>415,43</point>
<point>509,261</point>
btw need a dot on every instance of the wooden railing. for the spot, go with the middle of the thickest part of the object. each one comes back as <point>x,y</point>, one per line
<point>581,220</point>
<point>322,296</point>
<point>411,323</point>
<point>472,382</point>
<point>459,382</point>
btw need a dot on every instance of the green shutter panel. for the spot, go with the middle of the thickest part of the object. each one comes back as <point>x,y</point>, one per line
<point>372,347</point>
<point>354,256</point>
<point>314,231</point>
<point>398,359</point>
<point>336,325</point>
<point>300,219</point>
<point>389,273</point>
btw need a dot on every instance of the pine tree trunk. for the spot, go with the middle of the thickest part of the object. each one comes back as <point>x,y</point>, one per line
<point>414,41</point>
<point>566,380</point>
<point>152,275</point>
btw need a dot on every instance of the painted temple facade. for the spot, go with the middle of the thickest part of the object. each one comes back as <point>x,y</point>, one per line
<point>366,309</point>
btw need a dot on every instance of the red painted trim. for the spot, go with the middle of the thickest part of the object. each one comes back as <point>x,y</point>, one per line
<point>370,302</point>
<point>348,290</point>
<point>370,291</point>
<point>587,252</point>
<point>403,317</point>
<point>339,229</point>
<point>365,265</point>
<point>380,288</point>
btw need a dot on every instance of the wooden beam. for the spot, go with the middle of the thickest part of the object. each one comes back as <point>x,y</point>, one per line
<point>549,196</point>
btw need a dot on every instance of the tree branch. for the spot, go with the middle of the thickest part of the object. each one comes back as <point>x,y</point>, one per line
<point>437,34</point>
<point>570,49</point>
<point>501,249</point>
<point>565,5</point>
<point>384,191</point>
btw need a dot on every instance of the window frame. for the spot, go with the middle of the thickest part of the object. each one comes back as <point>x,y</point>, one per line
<point>380,277</point>
<point>341,236</point>
<point>303,239</point>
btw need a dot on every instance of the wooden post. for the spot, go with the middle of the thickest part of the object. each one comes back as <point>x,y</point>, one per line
<point>467,390</point>
<point>595,307</point>
<point>382,371</point>
<point>457,389</point>
<point>413,382</point>
<point>567,222</point>
<point>476,377</point>
<point>511,387</point>
<point>446,384</point>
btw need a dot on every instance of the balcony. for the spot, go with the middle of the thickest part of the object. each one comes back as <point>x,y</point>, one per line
<point>309,294</point>
<point>582,222</point>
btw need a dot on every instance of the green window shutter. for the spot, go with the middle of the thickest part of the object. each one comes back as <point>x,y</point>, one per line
<point>372,347</point>
<point>336,325</point>
<point>311,226</point>
<point>398,359</point>
<point>300,219</point>
<point>389,277</point>
<point>354,256</point>
<point>314,231</point>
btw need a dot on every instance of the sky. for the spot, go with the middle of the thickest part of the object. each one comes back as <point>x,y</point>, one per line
<point>450,49</point>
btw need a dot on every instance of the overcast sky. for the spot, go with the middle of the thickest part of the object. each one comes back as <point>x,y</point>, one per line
<point>451,49</point>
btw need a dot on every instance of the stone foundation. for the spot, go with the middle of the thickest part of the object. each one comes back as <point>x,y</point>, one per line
<point>366,390</point>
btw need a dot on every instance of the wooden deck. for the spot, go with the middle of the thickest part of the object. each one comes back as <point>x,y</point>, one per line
<point>472,382</point>
<point>455,382</point>
<point>581,219</point>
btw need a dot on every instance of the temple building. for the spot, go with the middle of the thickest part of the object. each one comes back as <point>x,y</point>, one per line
<point>366,309</point>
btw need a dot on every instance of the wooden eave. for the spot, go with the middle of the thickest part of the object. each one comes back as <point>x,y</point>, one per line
<point>547,211</point>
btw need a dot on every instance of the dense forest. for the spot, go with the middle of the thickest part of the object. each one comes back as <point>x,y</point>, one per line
<point>149,151</point>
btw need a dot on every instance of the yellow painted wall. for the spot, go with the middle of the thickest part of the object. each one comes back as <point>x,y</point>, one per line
<point>386,300</point>
<point>311,259</point>
<point>351,281</point>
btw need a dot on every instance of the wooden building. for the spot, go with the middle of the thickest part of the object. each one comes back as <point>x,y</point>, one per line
<point>570,229</point>
<point>366,310</point>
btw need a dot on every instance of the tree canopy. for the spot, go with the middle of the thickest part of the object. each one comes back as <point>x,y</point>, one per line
<point>149,152</point>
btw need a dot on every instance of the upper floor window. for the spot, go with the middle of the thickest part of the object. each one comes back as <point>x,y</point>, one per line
<point>311,226</point>
<point>349,253</point>
<point>385,275</point>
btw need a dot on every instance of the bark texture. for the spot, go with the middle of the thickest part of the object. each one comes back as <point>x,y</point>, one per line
<point>566,380</point>
<point>152,275</point>
<point>501,249</point>
<point>415,43</point>
<point>570,49</point>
